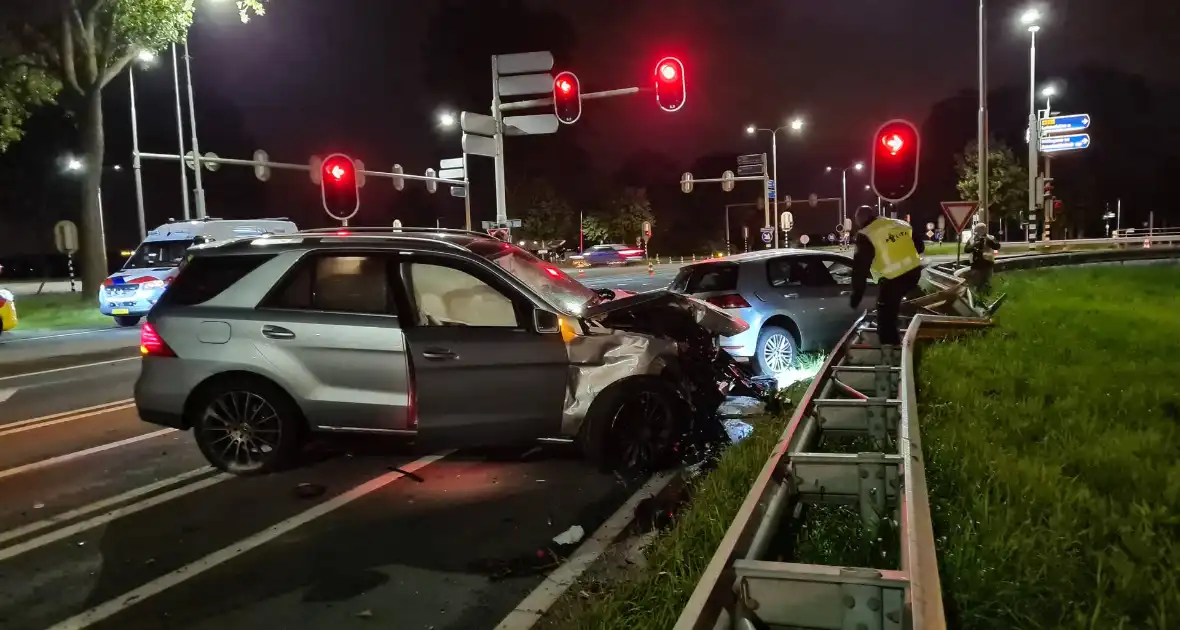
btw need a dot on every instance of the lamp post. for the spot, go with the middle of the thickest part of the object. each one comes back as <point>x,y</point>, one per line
<point>859,166</point>
<point>796,126</point>
<point>447,120</point>
<point>1030,18</point>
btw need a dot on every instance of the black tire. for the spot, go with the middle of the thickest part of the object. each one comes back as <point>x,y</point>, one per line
<point>127,321</point>
<point>777,351</point>
<point>613,436</point>
<point>265,442</point>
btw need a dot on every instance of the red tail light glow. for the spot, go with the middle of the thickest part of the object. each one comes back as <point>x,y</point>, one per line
<point>630,252</point>
<point>553,272</point>
<point>733,300</point>
<point>342,232</point>
<point>151,345</point>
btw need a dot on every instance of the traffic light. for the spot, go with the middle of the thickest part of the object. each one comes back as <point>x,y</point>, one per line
<point>670,91</point>
<point>567,98</point>
<point>895,160</point>
<point>339,187</point>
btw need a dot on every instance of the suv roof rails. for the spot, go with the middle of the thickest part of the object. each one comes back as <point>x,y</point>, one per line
<point>392,230</point>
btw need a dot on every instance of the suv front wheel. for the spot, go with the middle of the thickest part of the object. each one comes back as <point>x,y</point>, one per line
<point>631,427</point>
<point>247,427</point>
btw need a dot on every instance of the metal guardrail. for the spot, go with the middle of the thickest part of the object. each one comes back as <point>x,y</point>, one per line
<point>860,392</point>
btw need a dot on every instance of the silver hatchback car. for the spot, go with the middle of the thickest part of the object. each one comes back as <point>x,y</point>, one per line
<point>451,337</point>
<point>794,300</point>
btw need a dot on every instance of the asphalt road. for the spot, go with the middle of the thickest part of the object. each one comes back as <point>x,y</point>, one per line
<point>108,522</point>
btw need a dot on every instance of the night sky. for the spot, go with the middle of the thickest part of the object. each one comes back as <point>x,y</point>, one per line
<point>312,77</point>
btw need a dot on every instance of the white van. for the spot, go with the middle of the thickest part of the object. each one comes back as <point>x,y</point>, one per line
<point>128,294</point>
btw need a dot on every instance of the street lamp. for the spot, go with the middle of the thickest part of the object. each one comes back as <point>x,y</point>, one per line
<point>73,164</point>
<point>1049,91</point>
<point>795,126</point>
<point>1030,19</point>
<point>858,166</point>
<point>446,119</point>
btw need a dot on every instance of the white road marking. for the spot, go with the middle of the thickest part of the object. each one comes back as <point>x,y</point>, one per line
<point>110,607</point>
<point>83,453</point>
<point>66,416</point>
<point>59,335</point>
<point>66,368</point>
<point>31,528</point>
<point>530,610</point>
<point>103,519</point>
<point>5,394</point>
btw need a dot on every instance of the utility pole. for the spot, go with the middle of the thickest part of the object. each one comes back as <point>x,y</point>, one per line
<point>192,111</point>
<point>179,136</point>
<point>498,138</point>
<point>135,162</point>
<point>982,139</point>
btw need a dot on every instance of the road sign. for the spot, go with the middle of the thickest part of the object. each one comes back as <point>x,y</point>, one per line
<point>751,164</point>
<point>261,171</point>
<point>786,221</point>
<point>478,124</point>
<point>397,223</point>
<point>804,239</point>
<point>523,84</point>
<point>787,201</point>
<point>959,212</point>
<point>840,228</point>
<point>510,223</point>
<point>686,183</point>
<point>479,145</point>
<point>929,233</point>
<point>767,234</point>
<point>65,237</point>
<point>727,181</point>
<point>531,125</point>
<point>812,200</point>
<point>451,173</point>
<point>1070,123</point>
<point>522,63</point>
<point>929,225</point>
<point>431,185</point>
<point>450,163</point>
<point>941,222</point>
<point>458,191</point>
<point>646,231</point>
<point>749,159</point>
<point>770,189</point>
<point>1059,144</point>
<point>847,224</point>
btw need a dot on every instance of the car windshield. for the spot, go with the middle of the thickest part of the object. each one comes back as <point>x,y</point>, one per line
<point>158,254</point>
<point>546,280</point>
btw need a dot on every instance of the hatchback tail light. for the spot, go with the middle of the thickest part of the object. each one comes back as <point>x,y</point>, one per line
<point>151,344</point>
<point>732,300</point>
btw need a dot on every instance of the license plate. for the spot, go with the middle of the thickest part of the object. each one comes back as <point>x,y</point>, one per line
<point>120,311</point>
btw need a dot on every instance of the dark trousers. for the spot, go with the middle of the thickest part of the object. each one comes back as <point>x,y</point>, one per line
<point>890,293</point>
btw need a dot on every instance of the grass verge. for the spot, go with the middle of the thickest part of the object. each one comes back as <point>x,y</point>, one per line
<point>1053,454</point>
<point>652,597</point>
<point>57,311</point>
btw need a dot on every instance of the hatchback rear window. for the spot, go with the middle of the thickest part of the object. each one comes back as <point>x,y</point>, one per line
<point>203,278</point>
<point>706,278</point>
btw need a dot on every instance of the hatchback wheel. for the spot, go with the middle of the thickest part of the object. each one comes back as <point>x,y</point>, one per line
<point>126,321</point>
<point>247,428</point>
<point>777,351</point>
<point>631,428</point>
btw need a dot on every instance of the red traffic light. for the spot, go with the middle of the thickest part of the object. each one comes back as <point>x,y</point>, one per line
<point>895,160</point>
<point>339,187</point>
<point>669,79</point>
<point>567,98</point>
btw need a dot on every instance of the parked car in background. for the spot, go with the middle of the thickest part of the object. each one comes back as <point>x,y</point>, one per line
<point>795,300</point>
<point>128,294</point>
<point>608,255</point>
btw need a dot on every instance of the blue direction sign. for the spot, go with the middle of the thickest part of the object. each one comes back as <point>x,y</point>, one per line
<point>770,188</point>
<point>1072,142</point>
<point>1072,123</point>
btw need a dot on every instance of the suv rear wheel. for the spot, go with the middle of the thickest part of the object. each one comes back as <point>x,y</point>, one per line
<point>247,427</point>
<point>631,427</point>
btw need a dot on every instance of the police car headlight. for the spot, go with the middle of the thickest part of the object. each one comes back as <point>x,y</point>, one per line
<point>152,284</point>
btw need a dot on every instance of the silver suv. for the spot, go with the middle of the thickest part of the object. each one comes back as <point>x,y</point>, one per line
<point>450,337</point>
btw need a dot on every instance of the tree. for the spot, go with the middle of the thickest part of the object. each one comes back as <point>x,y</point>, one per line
<point>626,212</point>
<point>545,216</point>
<point>74,52</point>
<point>596,228</point>
<point>1007,179</point>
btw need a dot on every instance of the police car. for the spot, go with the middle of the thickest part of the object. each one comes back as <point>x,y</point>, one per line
<point>128,294</point>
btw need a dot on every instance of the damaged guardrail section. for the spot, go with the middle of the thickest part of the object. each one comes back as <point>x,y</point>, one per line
<point>852,448</point>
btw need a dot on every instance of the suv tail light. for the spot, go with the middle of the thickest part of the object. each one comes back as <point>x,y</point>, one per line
<point>151,345</point>
<point>732,300</point>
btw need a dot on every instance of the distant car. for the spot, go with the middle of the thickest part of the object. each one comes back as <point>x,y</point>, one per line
<point>448,337</point>
<point>129,293</point>
<point>608,255</point>
<point>795,300</point>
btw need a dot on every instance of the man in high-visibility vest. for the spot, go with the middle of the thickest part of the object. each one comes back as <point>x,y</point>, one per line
<point>890,251</point>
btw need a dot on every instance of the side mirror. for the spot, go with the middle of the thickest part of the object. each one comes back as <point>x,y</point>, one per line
<point>546,322</point>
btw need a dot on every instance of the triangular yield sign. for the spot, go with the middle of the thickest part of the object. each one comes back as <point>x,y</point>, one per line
<point>959,212</point>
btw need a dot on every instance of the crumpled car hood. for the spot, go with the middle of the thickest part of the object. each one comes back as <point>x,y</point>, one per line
<point>708,316</point>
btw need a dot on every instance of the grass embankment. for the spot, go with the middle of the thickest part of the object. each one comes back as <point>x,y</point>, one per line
<point>57,311</point>
<point>651,598</point>
<point>1053,454</point>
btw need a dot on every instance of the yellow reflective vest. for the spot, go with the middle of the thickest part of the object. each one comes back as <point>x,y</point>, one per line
<point>893,243</point>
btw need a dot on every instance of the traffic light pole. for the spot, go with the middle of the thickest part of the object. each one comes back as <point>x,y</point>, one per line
<point>498,138</point>
<point>982,140</point>
<point>135,163</point>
